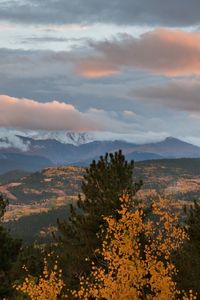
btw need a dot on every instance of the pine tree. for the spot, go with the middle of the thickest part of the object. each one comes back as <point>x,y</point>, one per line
<point>105,181</point>
<point>188,259</point>
<point>3,204</point>
<point>9,249</point>
<point>103,184</point>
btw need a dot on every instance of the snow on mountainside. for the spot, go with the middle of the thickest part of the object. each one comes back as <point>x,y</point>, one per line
<point>10,138</point>
<point>74,138</point>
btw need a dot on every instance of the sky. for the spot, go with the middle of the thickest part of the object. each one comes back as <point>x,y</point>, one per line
<point>127,69</point>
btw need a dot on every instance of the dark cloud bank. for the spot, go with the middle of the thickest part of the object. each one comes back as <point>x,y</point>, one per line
<point>127,12</point>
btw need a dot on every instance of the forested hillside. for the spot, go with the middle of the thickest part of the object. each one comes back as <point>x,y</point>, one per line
<point>45,196</point>
<point>112,214</point>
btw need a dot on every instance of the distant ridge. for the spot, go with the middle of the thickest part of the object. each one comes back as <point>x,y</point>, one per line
<point>13,175</point>
<point>172,147</point>
<point>38,153</point>
<point>25,162</point>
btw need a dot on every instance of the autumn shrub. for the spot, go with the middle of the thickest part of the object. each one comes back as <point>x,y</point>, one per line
<point>48,287</point>
<point>136,256</point>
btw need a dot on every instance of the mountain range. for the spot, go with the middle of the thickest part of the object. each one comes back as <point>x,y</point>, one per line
<point>79,149</point>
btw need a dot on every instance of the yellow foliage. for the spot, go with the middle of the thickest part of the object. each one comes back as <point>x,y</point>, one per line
<point>137,254</point>
<point>48,287</point>
<point>136,261</point>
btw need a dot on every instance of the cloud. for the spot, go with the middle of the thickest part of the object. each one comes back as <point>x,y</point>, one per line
<point>29,117</point>
<point>19,63</point>
<point>46,75</point>
<point>44,39</point>
<point>161,51</point>
<point>179,94</point>
<point>134,137</point>
<point>10,139</point>
<point>6,26</point>
<point>154,12</point>
<point>94,68</point>
<point>129,114</point>
<point>30,114</point>
<point>62,27</point>
<point>195,116</point>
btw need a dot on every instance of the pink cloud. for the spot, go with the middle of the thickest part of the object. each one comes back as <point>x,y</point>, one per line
<point>162,51</point>
<point>94,67</point>
<point>30,114</point>
<point>7,26</point>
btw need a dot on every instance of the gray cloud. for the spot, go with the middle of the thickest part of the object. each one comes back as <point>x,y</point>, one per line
<point>152,12</point>
<point>47,75</point>
<point>53,39</point>
<point>44,39</point>
<point>179,94</point>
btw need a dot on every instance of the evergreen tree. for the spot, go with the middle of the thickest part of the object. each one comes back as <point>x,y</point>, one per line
<point>9,249</point>
<point>3,204</point>
<point>103,184</point>
<point>188,258</point>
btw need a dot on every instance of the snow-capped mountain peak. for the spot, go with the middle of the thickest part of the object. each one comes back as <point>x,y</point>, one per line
<point>69,137</point>
<point>78,138</point>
